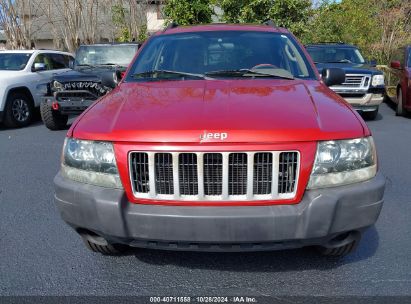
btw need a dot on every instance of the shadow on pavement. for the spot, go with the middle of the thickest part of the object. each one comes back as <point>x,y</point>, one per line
<point>271,261</point>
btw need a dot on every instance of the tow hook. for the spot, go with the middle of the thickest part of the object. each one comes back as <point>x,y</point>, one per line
<point>55,105</point>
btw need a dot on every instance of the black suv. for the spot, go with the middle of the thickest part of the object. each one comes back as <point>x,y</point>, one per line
<point>364,84</point>
<point>97,69</point>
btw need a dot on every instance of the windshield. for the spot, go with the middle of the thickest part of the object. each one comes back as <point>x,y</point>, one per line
<point>105,55</point>
<point>335,54</point>
<point>221,54</point>
<point>14,61</point>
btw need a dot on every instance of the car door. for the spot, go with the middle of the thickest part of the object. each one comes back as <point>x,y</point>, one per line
<point>394,75</point>
<point>55,64</point>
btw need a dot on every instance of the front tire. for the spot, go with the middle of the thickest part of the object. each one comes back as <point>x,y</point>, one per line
<point>19,110</point>
<point>53,120</point>
<point>102,246</point>
<point>347,246</point>
<point>371,115</point>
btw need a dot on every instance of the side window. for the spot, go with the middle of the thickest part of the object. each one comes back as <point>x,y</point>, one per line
<point>57,61</point>
<point>42,58</point>
<point>409,58</point>
<point>68,59</point>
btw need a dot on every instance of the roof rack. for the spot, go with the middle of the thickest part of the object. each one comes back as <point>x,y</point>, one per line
<point>270,22</point>
<point>171,26</point>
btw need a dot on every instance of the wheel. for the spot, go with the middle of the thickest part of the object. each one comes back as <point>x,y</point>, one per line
<point>400,107</point>
<point>19,110</point>
<point>103,247</point>
<point>371,115</point>
<point>340,251</point>
<point>53,120</point>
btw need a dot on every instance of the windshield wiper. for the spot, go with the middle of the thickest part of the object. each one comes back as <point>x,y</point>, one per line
<point>85,65</point>
<point>250,72</point>
<point>157,73</point>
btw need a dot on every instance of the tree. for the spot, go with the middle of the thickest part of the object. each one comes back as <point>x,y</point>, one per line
<point>16,19</point>
<point>129,17</point>
<point>376,26</point>
<point>292,14</point>
<point>186,12</point>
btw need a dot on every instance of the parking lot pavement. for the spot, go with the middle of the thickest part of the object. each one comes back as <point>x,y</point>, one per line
<point>40,255</point>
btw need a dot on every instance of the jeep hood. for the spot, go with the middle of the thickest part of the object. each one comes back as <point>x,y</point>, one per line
<point>249,111</point>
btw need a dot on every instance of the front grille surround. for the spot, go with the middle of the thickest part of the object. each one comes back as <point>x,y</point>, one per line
<point>202,184</point>
<point>354,83</point>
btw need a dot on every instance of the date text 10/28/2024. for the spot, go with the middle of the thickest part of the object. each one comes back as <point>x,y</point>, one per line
<point>235,299</point>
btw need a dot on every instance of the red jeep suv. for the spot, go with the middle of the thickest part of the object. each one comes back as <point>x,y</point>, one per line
<point>221,138</point>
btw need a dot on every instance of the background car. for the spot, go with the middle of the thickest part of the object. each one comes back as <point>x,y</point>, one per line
<point>399,80</point>
<point>23,79</point>
<point>364,84</point>
<point>74,91</point>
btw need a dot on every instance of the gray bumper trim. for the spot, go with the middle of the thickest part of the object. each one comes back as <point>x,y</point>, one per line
<point>320,215</point>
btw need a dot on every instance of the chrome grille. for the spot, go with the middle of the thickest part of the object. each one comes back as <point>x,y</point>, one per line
<point>237,174</point>
<point>355,82</point>
<point>187,172</point>
<point>263,173</point>
<point>213,174</point>
<point>139,162</point>
<point>225,176</point>
<point>164,173</point>
<point>287,171</point>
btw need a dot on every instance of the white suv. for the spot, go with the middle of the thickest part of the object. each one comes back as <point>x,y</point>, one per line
<point>24,76</point>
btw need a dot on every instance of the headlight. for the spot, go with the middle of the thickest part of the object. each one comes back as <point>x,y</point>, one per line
<point>90,162</point>
<point>57,86</point>
<point>377,80</point>
<point>342,162</point>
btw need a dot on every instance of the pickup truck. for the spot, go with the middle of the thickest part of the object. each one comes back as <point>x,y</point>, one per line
<point>364,84</point>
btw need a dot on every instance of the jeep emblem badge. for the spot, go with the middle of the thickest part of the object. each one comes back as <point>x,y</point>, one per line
<point>213,135</point>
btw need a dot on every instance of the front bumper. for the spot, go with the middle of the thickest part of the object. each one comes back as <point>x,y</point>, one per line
<point>72,102</point>
<point>368,102</point>
<point>319,217</point>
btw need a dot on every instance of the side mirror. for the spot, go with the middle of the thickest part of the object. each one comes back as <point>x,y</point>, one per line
<point>333,76</point>
<point>395,64</point>
<point>71,64</point>
<point>111,79</point>
<point>372,62</point>
<point>39,67</point>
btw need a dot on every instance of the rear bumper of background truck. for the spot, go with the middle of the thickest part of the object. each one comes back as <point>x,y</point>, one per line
<point>318,218</point>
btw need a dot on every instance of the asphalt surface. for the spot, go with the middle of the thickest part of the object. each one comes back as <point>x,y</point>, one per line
<point>40,255</point>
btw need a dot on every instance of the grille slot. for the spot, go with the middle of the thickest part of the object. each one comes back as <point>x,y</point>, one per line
<point>287,172</point>
<point>164,173</point>
<point>237,174</point>
<point>263,173</point>
<point>187,171</point>
<point>213,174</point>
<point>140,175</point>
<point>353,81</point>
